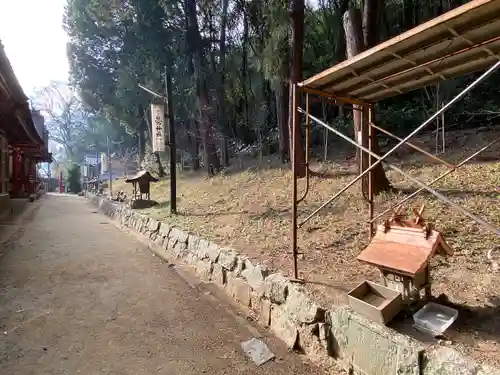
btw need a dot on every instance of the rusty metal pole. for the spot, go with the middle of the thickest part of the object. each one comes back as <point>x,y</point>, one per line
<point>440,177</point>
<point>411,145</point>
<point>391,151</point>
<point>294,183</point>
<point>371,134</point>
<point>423,185</point>
<point>308,136</point>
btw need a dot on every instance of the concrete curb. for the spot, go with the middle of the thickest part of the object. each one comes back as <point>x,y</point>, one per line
<point>358,345</point>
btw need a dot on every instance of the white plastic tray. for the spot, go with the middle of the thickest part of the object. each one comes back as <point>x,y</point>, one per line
<point>435,318</point>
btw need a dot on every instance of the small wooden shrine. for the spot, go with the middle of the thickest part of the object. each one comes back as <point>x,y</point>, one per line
<point>141,185</point>
<point>402,250</point>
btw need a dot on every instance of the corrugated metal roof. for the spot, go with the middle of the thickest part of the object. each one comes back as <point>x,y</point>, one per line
<point>461,41</point>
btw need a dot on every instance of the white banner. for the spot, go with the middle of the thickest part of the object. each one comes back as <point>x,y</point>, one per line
<point>158,124</point>
<point>85,170</point>
<point>104,162</point>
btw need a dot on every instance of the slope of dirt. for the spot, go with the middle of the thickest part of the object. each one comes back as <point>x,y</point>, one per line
<point>251,211</point>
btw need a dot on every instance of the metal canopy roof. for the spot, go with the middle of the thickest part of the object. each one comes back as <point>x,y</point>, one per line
<point>461,41</point>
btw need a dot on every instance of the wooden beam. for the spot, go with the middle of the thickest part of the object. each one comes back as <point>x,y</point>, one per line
<point>334,97</point>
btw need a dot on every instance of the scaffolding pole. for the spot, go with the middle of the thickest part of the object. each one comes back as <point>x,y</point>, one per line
<point>403,141</point>
<point>424,186</point>
<point>466,160</point>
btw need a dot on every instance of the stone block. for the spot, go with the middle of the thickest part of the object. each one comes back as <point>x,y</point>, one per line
<point>300,306</point>
<point>170,244</point>
<point>180,235</point>
<point>255,276</point>
<point>227,258</point>
<point>190,259</point>
<point>447,361</point>
<point>282,327</point>
<point>180,250</point>
<point>370,347</point>
<point>193,243</point>
<point>310,343</point>
<point>240,290</point>
<point>241,262</point>
<point>208,250</point>
<point>145,225</point>
<point>213,251</point>
<point>218,275</point>
<point>139,223</point>
<point>322,331</point>
<point>164,230</point>
<point>204,270</point>
<point>255,300</point>
<point>276,288</point>
<point>265,312</point>
<point>488,370</point>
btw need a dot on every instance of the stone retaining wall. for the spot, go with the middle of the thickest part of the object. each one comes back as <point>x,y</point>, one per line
<point>337,333</point>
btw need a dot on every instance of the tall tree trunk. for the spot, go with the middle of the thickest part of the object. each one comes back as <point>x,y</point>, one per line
<point>408,14</point>
<point>222,74</point>
<point>282,94</point>
<point>244,64</point>
<point>192,124</point>
<point>212,162</point>
<point>141,147</point>
<point>355,45</point>
<point>142,136</point>
<point>370,22</point>
<point>296,76</point>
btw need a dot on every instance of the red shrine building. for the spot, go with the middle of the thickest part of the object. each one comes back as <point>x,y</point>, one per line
<point>23,138</point>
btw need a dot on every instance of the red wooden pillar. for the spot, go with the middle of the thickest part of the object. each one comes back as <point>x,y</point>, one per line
<point>31,176</point>
<point>16,172</point>
<point>60,182</point>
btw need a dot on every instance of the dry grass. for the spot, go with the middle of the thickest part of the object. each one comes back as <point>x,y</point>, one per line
<point>251,211</point>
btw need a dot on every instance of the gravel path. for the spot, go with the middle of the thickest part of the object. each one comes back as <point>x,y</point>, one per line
<point>79,296</point>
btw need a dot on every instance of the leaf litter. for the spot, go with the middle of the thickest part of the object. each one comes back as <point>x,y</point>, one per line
<point>250,210</point>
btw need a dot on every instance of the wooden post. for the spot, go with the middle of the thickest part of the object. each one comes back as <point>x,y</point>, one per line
<point>370,120</point>
<point>173,147</point>
<point>325,132</point>
<point>308,135</point>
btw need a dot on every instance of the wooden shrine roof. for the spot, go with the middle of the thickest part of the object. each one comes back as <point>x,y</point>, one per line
<point>403,250</point>
<point>461,41</point>
<point>16,120</point>
<point>142,175</point>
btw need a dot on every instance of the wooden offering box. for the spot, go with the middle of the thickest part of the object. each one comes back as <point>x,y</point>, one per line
<point>402,251</point>
<point>375,301</point>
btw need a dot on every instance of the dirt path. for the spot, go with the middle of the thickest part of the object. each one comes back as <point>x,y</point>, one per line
<point>78,296</point>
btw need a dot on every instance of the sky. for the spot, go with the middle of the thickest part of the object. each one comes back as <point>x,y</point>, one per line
<point>34,40</point>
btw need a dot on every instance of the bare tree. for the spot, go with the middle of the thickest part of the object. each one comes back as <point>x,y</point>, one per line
<point>296,76</point>
<point>65,116</point>
<point>195,44</point>
<point>125,159</point>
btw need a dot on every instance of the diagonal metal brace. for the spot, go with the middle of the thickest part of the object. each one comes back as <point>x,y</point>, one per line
<point>411,178</point>
<point>380,159</point>
<point>440,177</point>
